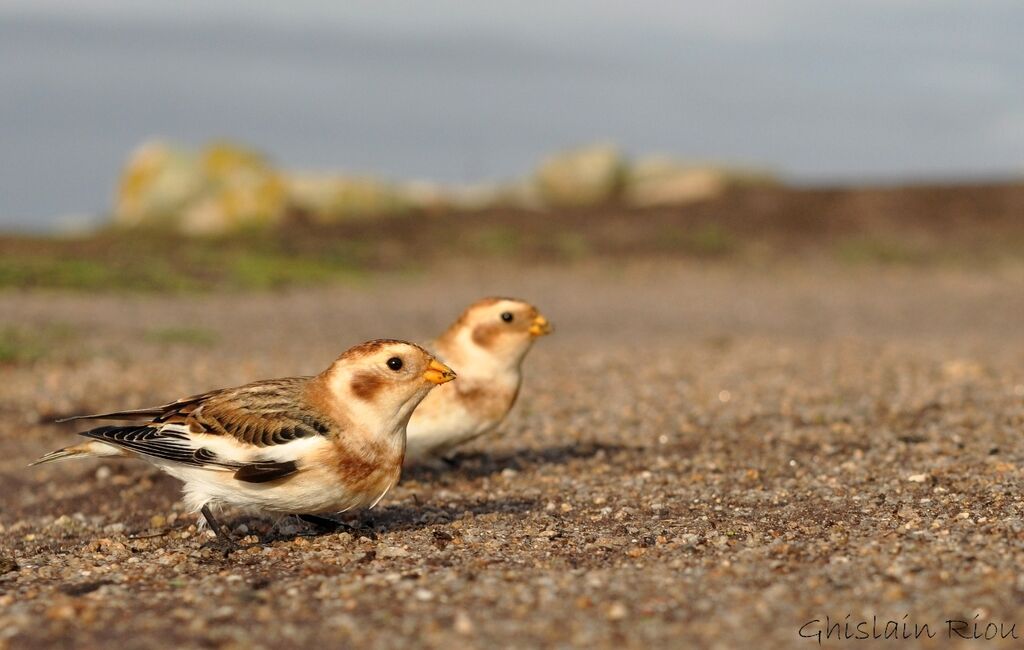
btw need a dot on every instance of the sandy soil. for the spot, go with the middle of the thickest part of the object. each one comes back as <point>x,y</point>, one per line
<point>701,456</point>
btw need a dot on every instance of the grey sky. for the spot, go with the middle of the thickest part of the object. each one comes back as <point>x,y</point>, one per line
<point>464,91</point>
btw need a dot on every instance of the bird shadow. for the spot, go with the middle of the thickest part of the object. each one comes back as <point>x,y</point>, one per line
<point>403,518</point>
<point>467,465</point>
<point>478,464</point>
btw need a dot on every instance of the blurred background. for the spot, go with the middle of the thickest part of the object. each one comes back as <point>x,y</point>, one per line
<point>474,96</point>
<point>324,142</point>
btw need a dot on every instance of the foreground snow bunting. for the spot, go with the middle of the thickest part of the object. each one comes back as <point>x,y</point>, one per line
<point>487,345</point>
<point>300,445</point>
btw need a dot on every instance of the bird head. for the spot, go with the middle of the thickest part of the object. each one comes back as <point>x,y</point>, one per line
<point>380,382</point>
<point>495,331</point>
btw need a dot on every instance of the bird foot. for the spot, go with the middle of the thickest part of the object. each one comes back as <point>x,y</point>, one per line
<point>324,525</point>
<point>223,541</point>
<point>220,545</point>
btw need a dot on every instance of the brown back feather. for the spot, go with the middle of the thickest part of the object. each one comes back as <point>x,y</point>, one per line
<point>262,413</point>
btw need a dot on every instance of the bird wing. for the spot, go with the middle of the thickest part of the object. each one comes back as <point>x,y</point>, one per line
<point>160,442</point>
<point>169,443</point>
<point>256,418</point>
<point>261,414</point>
<point>137,414</point>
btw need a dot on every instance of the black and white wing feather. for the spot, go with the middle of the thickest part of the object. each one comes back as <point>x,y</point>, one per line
<point>235,429</point>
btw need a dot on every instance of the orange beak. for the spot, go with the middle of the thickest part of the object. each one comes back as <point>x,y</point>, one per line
<point>540,326</point>
<point>438,373</point>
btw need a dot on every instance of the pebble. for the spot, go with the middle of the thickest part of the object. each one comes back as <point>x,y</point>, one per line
<point>617,612</point>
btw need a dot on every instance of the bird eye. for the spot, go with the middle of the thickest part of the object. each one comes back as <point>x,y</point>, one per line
<point>506,316</point>
<point>395,364</point>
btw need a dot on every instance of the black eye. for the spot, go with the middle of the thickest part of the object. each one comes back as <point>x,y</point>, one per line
<point>395,363</point>
<point>506,316</point>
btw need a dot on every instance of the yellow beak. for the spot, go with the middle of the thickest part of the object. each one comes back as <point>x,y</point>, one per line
<point>540,326</point>
<point>438,373</point>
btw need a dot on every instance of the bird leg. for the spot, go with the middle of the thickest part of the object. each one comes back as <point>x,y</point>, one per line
<point>223,539</point>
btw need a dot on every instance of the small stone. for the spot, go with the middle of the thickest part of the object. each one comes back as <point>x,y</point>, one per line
<point>384,551</point>
<point>60,612</point>
<point>158,521</point>
<point>617,611</point>
<point>424,595</point>
<point>462,623</point>
<point>690,539</point>
<point>917,478</point>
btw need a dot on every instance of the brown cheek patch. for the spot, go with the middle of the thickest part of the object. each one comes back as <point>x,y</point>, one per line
<point>486,335</point>
<point>366,385</point>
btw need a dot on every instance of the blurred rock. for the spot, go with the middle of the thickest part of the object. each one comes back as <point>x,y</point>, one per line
<point>329,198</point>
<point>426,197</point>
<point>581,177</point>
<point>224,188</point>
<point>227,187</point>
<point>242,191</point>
<point>156,184</point>
<point>659,180</point>
<point>662,181</point>
<point>483,196</point>
<point>518,194</point>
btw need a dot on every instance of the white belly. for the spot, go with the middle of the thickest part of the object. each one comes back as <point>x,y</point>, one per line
<point>310,491</point>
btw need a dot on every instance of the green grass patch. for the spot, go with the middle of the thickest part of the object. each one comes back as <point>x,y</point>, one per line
<point>710,240</point>
<point>704,240</point>
<point>496,241</point>
<point>24,345</point>
<point>148,263</point>
<point>194,336</point>
<point>571,246</point>
<point>54,271</point>
<point>870,250</point>
<point>256,270</point>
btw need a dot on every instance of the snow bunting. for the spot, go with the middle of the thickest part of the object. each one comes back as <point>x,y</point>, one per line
<point>486,345</point>
<point>300,445</point>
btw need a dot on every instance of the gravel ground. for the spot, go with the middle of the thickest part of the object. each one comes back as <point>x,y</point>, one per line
<point>700,456</point>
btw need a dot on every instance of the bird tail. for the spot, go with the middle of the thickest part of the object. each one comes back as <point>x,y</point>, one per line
<point>90,449</point>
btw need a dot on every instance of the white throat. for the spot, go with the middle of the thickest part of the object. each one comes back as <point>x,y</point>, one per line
<point>384,416</point>
<point>472,362</point>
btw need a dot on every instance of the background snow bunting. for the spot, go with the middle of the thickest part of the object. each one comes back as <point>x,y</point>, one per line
<point>486,345</point>
<point>299,445</point>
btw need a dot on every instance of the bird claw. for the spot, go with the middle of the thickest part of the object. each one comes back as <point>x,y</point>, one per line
<point>221,545</point>
<point>223,541</point>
